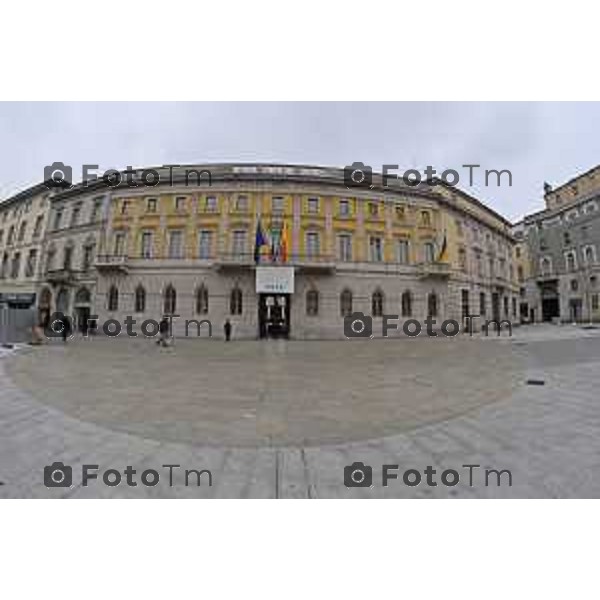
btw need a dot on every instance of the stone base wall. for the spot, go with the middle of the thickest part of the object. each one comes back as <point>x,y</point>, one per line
<point>327,324</point>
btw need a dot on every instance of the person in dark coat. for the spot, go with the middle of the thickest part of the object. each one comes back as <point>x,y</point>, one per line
<point>84,325</point>
<point>163,329</point>
<point>227,328</point>
<point>66,328</point>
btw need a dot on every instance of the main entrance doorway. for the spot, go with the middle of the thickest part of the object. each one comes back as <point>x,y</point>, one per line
<point>274,315</point>
<point>550,300</point>
<point>550,308</point>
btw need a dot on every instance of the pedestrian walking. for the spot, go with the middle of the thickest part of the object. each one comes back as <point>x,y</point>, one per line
<point>227,328</point>
<point>163,330</point>
<point>66,328</point>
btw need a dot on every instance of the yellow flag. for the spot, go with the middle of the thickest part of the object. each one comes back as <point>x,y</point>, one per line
<point>444,250</point>
<point>284,243</point>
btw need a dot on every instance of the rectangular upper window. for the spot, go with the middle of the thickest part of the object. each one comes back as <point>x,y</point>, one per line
<point>344,208</point>
<point>241,203</point>
<point>210,204</point>
<point>312,244</point>
<point>402,252</point>
<point>462,258</point>
<point>31,263</point>
<point>119,243</point>
<point>375,249</point>
<point>75,215</point>
<point>37,229</point>
<point>176,244</point>
<point>22,230</point>
<point>313,206</point>
<point>146,249</point>
<point>345,247</point>
<point>97,210</point>
<point>205,244</point>
<point>58,219</point>
<point>239,242</point>
<point>429,250</point>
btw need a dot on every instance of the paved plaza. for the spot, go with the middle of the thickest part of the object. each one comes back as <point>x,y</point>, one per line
<point>283,419</point>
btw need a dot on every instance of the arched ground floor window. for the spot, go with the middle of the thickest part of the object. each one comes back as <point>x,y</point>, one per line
<point>346,303</point>
<point>312,303</point>
<point>236,301</point>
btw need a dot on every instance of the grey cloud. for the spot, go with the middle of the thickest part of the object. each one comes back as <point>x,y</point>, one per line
<point>537,141</point>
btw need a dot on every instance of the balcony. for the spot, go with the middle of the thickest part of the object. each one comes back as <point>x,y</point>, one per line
<point>545,276</point>
<point>434,269</point>
<point>111,262</point>
<point>313,262</point>
<point>499,281</point>
<point>305,262</point>
<point>61,276</point>
<point>234,260</point>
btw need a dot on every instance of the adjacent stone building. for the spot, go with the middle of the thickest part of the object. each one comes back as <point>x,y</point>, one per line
<point>563,242</point>
<point>22,232</point>
<point>76,220</point>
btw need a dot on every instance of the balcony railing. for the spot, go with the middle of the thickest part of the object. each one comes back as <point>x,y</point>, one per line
<point>311,261</point>
<point>107,262</point>
<point>308,261</point>
<point>234,259</point>
<point>61,276</point>
<point>304,260</point>
<point>434,269</point>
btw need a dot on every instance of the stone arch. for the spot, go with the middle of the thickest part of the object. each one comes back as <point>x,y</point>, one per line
<point>113,298</point>
<point>406,303</point>
<point>312,301</point>
<point>83,296</point>
<point>201,299</point>
<point>140,299</point>
<point>377,303</point>
<point>170,300</point>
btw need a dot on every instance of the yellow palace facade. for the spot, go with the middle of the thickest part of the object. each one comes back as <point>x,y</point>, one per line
<point>188,247</point>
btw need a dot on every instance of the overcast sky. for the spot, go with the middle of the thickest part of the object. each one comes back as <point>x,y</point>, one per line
<point>537,141</point>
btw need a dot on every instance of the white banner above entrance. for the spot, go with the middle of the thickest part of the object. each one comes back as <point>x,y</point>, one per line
<point>274,280</point>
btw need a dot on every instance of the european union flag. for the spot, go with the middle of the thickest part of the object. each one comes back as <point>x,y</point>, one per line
<point>259,241</point>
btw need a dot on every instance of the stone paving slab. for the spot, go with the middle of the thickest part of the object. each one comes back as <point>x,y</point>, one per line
<point>548,436</point>
<point>256,394</point>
